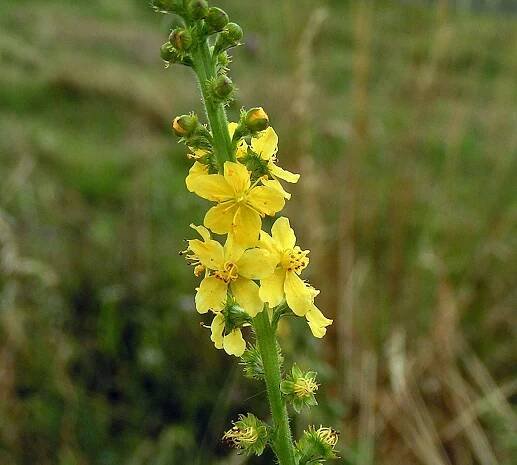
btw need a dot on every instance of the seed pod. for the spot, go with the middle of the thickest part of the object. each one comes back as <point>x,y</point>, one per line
<point>185,125</point>
<point>181,39</point>
<point>168,53</point>
<point>257,119</point>
<point>216,19</point>
<point>198,9</point>
<point>222,87</point>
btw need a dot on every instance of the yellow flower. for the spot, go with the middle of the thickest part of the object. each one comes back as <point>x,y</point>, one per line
<point>233,343</point>
<point>285,283</point>
<point>196,170</point>
<point>229,267</point>
<point>242,146</point>
<point>240,205</point>
<point>317,321</point>
<point>266,145</point>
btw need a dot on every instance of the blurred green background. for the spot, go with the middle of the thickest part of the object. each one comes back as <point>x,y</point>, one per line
<point>401,117</point>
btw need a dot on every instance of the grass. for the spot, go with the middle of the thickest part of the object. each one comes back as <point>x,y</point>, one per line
<point>400,118</point>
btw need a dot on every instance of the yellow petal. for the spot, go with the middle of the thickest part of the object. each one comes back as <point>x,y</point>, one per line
<point>237,176</point>
<point>272,288</point>
<point>212,187</point>
<point>196,170</point>
<point>231,128</point>
<point>211,295</point>
<point>283,234</point>
<point>234,343</point>
<point>219,219</point>
<point>285,175</point>
<point>317,321</point>
<point>232,249</point>
<point>210,253</point>
<point>266,200</point>
<point>297,294</point>
<point>246,294</point>
<point>217,328</point>
<point>256,264</point>
<point>246,226</point>
<point>274,184</point>
<point>202,231</point>
<point>266,242</point>
<point>266,144</point>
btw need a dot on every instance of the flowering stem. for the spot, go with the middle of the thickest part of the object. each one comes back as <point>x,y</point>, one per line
<point>282,441</point>
<point>205,70</point>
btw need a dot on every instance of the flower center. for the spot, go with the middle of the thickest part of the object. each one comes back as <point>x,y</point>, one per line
<point>295,259</point>
<point>228,274</point>
<point>304,387</point>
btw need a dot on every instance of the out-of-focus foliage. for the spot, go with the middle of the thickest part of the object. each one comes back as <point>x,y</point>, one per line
<point>401,118</point>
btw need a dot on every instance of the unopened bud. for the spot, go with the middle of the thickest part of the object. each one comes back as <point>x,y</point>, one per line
<point>185,125</point>
<point>167,6</point>
<point>198,9</point>
<point>181,39</point>
<point>233,31</point>
<point>216,19</point>
<point>257,119</point>
<point>229,37</point>
<point>222,87</point>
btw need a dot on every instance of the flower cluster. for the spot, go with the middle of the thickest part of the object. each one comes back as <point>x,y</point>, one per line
<point>253,268</point>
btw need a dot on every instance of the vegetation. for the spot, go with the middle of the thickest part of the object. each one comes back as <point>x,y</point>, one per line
<point>401,118</point>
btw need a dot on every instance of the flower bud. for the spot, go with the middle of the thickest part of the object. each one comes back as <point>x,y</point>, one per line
<point>167,6</point>
<point>229,37</point>
<point>216,19</point>
<point>248,434</point>
<point>257,119</point>
<point>181,39</point>
<point>233,31</point>
<point>198,9</point>
<point>185,125</point>
<point>222,87</point>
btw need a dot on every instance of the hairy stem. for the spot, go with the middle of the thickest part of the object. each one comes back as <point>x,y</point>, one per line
<point>282,442</point>
<point>205,69</point>
<point>266,339</point>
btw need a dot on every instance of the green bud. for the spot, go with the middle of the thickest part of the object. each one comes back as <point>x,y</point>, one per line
<point>248,434</point>
<point>229,37</point>
<point>167,6</point>
<point>216,19</point>
<point>198,9</point>
<point>234,32</point>
<point>181,39</point>
<point>222,87</point>
<point>185,125</point>
<point>257,119</point>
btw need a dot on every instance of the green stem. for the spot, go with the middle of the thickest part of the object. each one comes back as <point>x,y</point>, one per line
<point>205,70</point>
<point>282,440</point>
